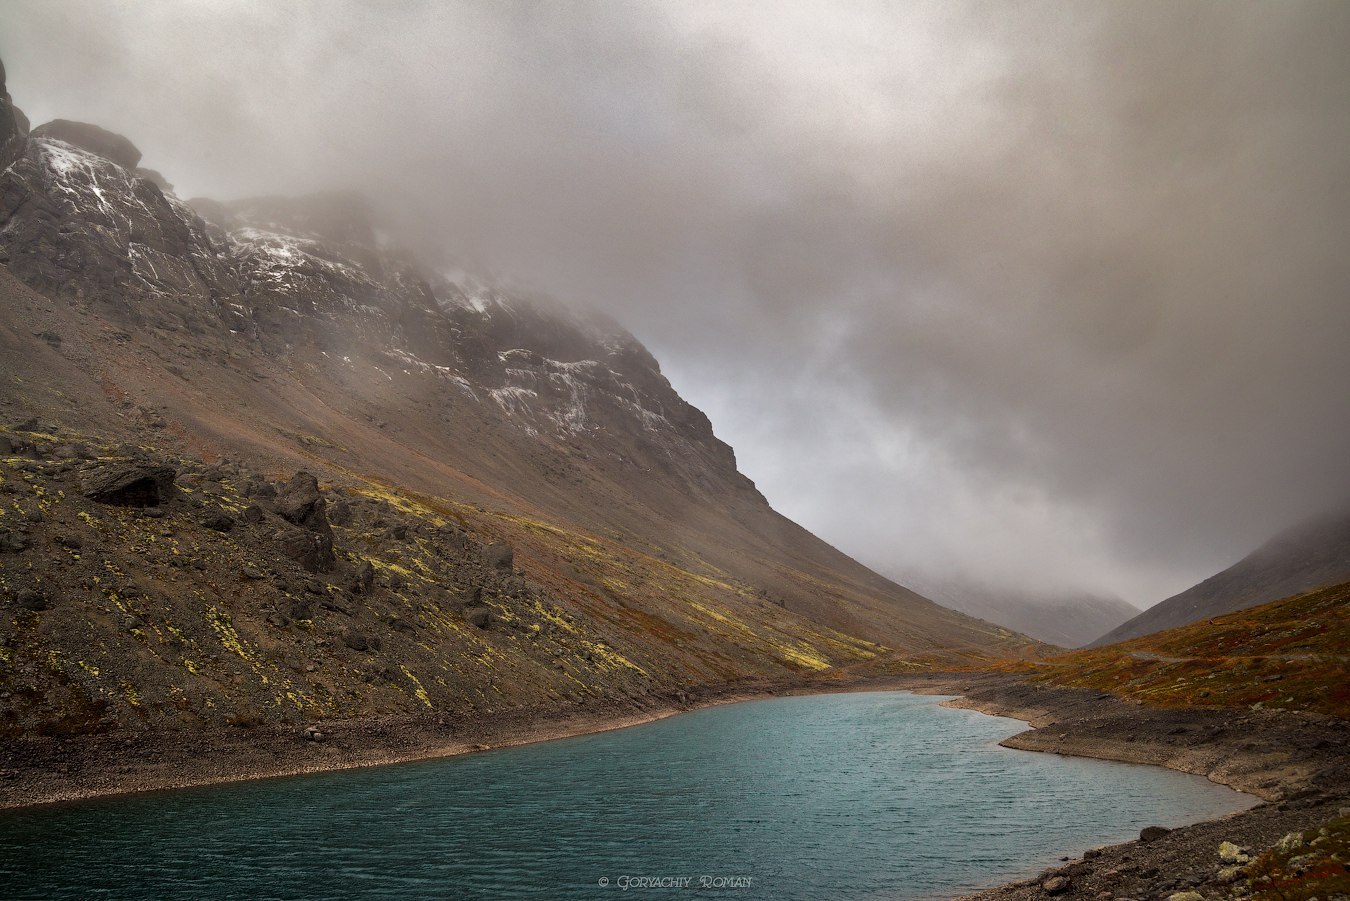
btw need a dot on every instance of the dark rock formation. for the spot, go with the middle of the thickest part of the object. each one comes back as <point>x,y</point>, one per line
<point>80,226</point>
<point>32,599</point>
<point>300,503</point>
<point>109,145</point>
<point>128,484</point>
<point>299,500</point>
<point>12,542</point>
<point>218,520</point>
<point>13,125</point>
<point>499,555</point>
<point>311,550</point>
<point>364,578</point>
<point>359,641</point>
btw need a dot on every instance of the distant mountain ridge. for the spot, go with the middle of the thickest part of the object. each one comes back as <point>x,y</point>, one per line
<point>1063,619</point>
<point>1308,556</point>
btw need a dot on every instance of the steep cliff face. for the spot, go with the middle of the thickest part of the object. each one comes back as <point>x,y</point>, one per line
<point>13,125</point>
<point>277,334</point>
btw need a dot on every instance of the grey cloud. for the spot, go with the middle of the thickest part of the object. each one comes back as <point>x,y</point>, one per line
<point>1052,293</point>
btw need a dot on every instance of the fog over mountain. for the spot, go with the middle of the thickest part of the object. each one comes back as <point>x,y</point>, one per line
<point>1051,295</point>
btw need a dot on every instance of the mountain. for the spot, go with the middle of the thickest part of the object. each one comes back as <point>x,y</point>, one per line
<point>1066,620</point>
<point>1290,654</point>
<point>262,464</point>
<point>1308,556</point>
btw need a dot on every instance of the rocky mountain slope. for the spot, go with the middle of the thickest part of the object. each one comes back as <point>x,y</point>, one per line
<point>1308,556</point>
<point>261,464</point>
<point>1069,621</point>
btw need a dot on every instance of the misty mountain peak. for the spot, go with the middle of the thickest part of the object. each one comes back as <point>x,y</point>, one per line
<point>107,144</point>
<point>317,278</point>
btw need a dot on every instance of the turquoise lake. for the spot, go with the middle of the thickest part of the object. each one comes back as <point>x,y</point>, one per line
<point>877,795</point>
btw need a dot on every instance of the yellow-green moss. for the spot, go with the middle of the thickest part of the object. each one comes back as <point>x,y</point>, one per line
<point>418,690</point>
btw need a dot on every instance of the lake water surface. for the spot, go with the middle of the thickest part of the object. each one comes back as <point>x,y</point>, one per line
<point>871,795</point>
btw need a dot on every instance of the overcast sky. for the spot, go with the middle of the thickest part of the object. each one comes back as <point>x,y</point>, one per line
<point>1053,294</point>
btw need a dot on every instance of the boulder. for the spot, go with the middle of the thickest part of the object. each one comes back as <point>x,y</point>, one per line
<point>218,520</point>
<point>499,555</point>
<point>261,489</point>
<point>1291,842</point>
<point>312,550</point>
<point>359,641</point>
<point>1231,853</point>
<point>1152,833</point>
<point>399,624</point>
<point>32,599</point>
<point>478,617</point>
<point>340,512</point>
<point>12,542</point>
<point>300,610</point>
<point>128,484</point>
<point>364,578</point>
<point>300,503</point>
<point>107,144</point>
<point>1055,885</point>
<point>299,500</point>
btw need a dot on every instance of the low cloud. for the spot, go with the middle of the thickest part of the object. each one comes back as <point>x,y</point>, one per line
<point>1047,294</point>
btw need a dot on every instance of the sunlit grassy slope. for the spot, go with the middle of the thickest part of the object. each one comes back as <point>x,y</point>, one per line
<point>1292,653</point>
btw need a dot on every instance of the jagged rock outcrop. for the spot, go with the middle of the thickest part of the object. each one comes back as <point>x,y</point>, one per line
<point>83,227</point>
<point>13,125</point>
<point>109,145</point>
<point>300,503</point>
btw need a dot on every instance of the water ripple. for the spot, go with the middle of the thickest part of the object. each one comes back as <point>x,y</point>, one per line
<point>875,795</point>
